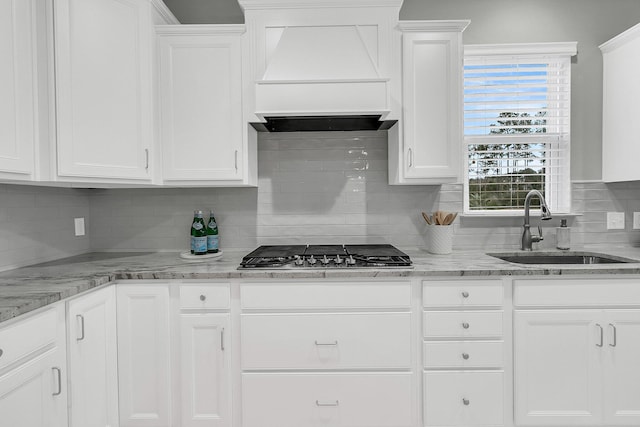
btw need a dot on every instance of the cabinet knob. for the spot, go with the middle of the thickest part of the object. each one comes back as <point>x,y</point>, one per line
<point>465,325</point>
<point>465,356</point>
<point>203,297</point>
<point>465,402</point>
<point>465,294</point>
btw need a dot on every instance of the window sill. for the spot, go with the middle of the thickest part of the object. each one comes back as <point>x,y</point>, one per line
<point>513,219</point>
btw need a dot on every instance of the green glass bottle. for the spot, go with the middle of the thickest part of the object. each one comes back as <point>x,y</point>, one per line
<point>213,242</point>
<point>198,234</point>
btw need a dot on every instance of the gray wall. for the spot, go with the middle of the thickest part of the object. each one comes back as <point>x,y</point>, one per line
<point>589,22</point>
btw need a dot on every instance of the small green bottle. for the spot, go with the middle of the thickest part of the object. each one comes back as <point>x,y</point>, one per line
<point>198,234</point>
<point>213,242</point>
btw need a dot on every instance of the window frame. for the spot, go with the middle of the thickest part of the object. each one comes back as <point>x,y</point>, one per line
<point>538,52</point>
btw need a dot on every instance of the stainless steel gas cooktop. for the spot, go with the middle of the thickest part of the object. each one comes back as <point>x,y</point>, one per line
<point>326,256</point>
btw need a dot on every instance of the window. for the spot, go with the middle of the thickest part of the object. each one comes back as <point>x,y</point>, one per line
<point>517,126</point>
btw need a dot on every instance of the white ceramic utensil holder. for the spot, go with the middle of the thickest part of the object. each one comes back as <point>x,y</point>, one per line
<point>440,239</point>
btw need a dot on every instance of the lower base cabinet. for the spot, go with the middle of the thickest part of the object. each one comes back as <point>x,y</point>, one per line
<point>327,399</point>
<point>33,388</point>
<point>464,398</point>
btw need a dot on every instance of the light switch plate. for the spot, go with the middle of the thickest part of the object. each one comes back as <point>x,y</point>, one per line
<point>79,226</point>
<point>615,220</point>
<point>636,220</point>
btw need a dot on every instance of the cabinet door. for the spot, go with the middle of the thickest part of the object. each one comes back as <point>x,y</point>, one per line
<point>201,107</point>
<point>103,88</point>
<point>557,357</point>
<point>93,356</point>
<point>622,368</point>
<point>33,395</point>
<point>205,375</point>
<point>143,355</point>
<point>17,87</point>
<point>432,102</point>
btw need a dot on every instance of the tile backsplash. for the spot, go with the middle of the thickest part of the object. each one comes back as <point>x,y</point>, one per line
<point>313,188</point>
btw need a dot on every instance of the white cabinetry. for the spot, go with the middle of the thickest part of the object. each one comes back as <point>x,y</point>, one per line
<point>92,359</point>
<point>205,355</point>
<point>426,146</point>
<point>203,135</point>
<point>330,353</point>
<point>33,390</point>
<point>621,90</point>
<point>576,353</point>
<point>464,356</point>
<point>18,102</point>
<point>103,86</point>
<point>144,368</point>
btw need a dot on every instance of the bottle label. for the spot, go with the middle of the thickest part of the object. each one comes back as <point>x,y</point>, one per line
<point>200,245</point>
<point>197,225</point>
<point>212,224</point>
<point>213,243</point>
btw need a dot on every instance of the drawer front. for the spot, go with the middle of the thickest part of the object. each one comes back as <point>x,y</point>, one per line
<point>463,293</point>
<point>462,324</point>
<point>576,292</point>
<point>463,354</point>
<point>326,341</point>
<point>317,399</point>
<point>326,295</point>
<point>211,296</point>
<point>27,336</point>
<point>463,398</point>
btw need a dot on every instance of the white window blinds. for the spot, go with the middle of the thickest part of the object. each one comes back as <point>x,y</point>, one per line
<point>517,125</point>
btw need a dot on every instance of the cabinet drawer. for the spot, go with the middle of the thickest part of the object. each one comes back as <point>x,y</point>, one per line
<point>27,336</point>
<point>326,295</point>
<point>210,296</point>
<point>463,398</point>
<point>326,341</point>
<point>318,399</point>
<point>461,293</point>
<point>576,292</point>
<point>463,354</point>
<point>454,324</point>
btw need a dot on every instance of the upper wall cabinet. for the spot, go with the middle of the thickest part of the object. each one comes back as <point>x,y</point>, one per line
<point>103,81</point>
<point>425,146</point>
<point>17,89</point>
<point>621,91</point>
<point>204,139</point>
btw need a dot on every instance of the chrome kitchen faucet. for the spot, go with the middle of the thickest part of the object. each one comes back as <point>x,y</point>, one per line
<point>527,238</point>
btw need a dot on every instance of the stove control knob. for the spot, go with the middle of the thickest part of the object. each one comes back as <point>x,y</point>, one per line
<point>338,260</point>
<point>351,261</point>
<point>299,260</point>
<point>312,260</point>
<point>324,260</point>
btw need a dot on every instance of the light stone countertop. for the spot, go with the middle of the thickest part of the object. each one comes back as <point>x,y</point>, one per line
<point>28,288</point>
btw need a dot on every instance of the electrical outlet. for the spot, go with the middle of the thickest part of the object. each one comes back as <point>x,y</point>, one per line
<point>79,226</point>
<point>636,220</point>
<point>615,220</point>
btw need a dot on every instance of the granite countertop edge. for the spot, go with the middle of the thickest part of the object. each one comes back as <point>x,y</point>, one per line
<point>23,290</point>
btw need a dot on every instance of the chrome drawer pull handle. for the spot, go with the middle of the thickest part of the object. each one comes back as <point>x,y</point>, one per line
<point>465,325</point>
<point>615,335</point>
<point>465,356</point>
<point>203,297</point>
<point>1,352</point>
<point>465,402</point>
<point>601,335</point>
<point>222,339</point>
<point>80,318</point>
<point>59,378</point>
<point>327,343</point>
<point>334,403</point>
<point>465,294</point>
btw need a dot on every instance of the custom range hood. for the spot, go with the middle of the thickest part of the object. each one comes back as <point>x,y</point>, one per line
<point>323,64</point>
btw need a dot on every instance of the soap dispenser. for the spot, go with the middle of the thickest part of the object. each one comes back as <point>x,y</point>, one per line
<point>563,235</point>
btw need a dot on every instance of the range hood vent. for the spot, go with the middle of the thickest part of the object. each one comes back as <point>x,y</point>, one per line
<point>335,61</point>
<point>323,124</point>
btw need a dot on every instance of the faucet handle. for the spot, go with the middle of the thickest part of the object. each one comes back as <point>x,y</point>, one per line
<point>538,238</point>
<point>540,232</point>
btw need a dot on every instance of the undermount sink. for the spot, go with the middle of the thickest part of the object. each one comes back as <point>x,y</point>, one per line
<point>561,258</point>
